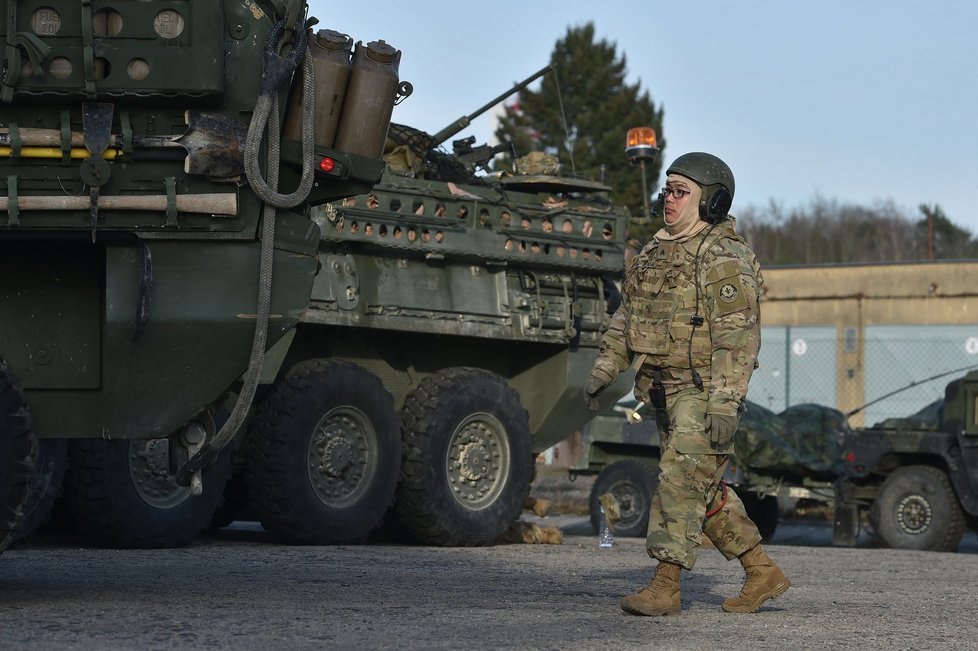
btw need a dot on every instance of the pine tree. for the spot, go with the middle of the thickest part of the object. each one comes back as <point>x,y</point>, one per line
<point>599,107</point>
<point>942,238</point>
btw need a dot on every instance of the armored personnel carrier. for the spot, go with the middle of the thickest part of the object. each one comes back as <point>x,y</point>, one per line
<point>446,342</point>
<point>147,255</point>
<point>444,323</point>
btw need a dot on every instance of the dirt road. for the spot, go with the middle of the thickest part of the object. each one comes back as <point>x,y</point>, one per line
<point>237,590</point>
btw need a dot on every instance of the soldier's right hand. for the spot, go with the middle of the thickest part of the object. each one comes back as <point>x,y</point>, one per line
<point>591,400</point>
<point>597,381</point>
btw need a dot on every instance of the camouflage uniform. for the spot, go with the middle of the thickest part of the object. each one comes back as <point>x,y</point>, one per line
<point>653,328</point>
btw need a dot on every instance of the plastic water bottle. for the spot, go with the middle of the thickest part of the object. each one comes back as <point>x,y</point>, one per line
<point>605,537</point>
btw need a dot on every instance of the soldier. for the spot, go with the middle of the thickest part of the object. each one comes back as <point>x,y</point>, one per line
<point>689,321</point>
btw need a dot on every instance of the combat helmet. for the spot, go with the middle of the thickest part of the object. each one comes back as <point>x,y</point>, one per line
<point>713,176</point>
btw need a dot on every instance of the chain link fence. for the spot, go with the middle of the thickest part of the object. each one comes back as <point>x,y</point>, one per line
<point>893,372</point>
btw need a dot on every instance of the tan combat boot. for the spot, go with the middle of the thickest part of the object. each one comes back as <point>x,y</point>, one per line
<point>660,596</point>
<point>765,580</point>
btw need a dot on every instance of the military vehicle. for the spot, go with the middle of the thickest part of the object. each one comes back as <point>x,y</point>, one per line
<point>147,256</point>
<point>790,455</point>
<point>452,317</point>
<point>914,479</point>
<point>455,317</point>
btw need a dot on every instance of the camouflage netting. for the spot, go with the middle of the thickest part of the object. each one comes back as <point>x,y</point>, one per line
<point>412,152</point>
<point>803,440</point>
<point>927,418</point>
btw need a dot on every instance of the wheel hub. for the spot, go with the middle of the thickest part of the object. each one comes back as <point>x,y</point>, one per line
<point>478,462</point>
<point>342,453</point>
<point>149,470</point>
<point>338,455</point>
<point>914,514</point>
<point>474,461</point>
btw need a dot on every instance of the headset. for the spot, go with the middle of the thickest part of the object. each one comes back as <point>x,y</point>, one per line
<point>715,203</point>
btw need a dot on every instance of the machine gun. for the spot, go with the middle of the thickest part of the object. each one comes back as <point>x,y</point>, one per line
<point>478,157</point>
<point>466,120</point>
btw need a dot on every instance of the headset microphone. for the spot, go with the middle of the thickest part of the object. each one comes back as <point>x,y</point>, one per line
<point>658,206</point>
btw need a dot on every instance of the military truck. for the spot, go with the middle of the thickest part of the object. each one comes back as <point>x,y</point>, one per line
<point>147,254</point>
<point>915,479</point>
<point>792,455</point>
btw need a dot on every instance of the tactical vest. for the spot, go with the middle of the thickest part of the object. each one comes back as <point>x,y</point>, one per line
<point>664,299</point>
<point>663,302</point>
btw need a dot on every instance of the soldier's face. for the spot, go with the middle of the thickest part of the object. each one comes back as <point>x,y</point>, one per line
<point>677,196</point>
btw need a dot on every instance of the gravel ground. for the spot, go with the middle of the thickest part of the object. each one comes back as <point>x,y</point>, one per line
<point>237,590</point>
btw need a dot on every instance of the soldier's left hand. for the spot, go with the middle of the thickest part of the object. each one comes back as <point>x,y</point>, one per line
<point>722,428</point>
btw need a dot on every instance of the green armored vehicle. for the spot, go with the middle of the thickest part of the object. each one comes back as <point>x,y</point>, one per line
<point>147,255</point>
<point>915,478</point>
<point>454,317</point>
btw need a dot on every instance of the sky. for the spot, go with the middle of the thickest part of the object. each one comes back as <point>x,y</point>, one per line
<point>858,101</point>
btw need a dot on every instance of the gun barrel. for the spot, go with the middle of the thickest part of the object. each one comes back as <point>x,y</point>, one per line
<point>466,120</point>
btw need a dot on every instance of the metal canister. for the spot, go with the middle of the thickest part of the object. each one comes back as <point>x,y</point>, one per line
<point>370,96</point>
<point>330,51</point>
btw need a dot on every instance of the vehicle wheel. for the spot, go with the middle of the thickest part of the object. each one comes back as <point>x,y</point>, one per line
<point>324,454</point>
<point>18,449</point>
<point>122,494</point>
<point>632,483</point>
<point>467,458</point>
<point>917,509</point>
<point>763,511</point>
<point>46,487</point>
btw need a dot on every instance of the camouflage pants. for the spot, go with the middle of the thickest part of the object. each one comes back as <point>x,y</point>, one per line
<point>689,487</point>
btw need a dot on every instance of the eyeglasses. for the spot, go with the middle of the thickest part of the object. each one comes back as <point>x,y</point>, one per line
<point>677,193</point>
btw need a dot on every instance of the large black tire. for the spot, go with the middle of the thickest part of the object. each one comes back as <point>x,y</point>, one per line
<point>763,511</point>
<point>467,458</point>
<point>632,483</point>
<point>323,454</point>
<point>18,449</point>
<point>46,487</point>
<point>917,509</point>
<point>122,494</point>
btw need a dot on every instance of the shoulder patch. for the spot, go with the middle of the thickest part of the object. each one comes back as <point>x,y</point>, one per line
<point>729,295</point>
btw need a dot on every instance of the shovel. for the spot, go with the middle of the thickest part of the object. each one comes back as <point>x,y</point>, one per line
<point>214,143</point>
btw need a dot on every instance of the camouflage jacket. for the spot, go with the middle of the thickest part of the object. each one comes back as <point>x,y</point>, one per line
<point>659,298</point>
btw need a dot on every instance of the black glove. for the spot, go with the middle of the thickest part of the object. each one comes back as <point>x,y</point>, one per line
<point>597,381</point>
<point>722,429</point>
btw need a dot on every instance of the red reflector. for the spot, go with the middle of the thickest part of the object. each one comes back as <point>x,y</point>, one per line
<point>851,457</point>
<point>327,164</point>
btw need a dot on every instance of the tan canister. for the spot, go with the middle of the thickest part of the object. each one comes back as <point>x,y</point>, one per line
<point>330,51</point>
<point>369,102</point>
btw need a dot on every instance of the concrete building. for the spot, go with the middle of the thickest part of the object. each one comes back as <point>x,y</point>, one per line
<point>846,335</point>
